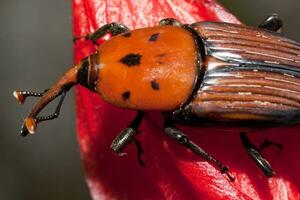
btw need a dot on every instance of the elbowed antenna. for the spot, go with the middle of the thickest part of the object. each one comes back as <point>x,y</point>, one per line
<point>59,88</point>
<point>84,73</point>
<point>69,79</point>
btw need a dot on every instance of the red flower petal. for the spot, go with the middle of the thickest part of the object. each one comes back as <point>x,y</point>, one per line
<point>171,171</point>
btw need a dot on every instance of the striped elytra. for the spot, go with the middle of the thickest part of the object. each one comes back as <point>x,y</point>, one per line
<point>250,74</point>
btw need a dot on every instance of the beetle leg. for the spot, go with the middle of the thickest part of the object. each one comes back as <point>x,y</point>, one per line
<point>112,28</point>
<point>170,22</point>
<point>127,135</point>
<point>266,143</point>
<point>24,130</point>
<point>182,139</point>
<point>255,154</point>
<point>272,23</point>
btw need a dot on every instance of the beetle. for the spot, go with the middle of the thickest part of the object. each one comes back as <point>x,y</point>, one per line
<point>195,74</point>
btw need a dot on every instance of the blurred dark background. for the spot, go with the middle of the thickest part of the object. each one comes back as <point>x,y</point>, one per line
<point>35,49</point>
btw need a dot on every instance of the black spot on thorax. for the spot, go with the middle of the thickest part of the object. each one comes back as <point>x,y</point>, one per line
<point>154,85</point>
<point>153,37</point>
<point>126,95</point>
<point>131,59</point>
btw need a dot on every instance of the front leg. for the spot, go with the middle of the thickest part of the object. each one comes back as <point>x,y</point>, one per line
<point>126,136</point>
<point>112,28</point>
<point>182,139</point>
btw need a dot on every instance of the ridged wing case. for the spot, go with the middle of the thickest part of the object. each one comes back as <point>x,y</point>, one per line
<point>250,74</point>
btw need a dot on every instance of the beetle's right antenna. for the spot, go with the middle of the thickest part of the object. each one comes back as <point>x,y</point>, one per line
<point>20,96</point>
<point>60,88</point>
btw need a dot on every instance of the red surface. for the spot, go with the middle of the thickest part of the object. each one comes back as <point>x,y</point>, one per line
<point>171,171</point>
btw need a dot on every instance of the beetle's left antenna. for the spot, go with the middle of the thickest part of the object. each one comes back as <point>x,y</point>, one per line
<point>58,89</point>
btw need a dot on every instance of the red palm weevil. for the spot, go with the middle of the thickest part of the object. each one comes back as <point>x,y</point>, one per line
<point>196,73</point>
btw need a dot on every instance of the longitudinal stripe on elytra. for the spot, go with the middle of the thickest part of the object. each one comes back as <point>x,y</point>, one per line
<point>239,107</point>
<point>244,90</point>
<point>265,67</point>
<point>250,38</point>
<point>250,41</point>
<point>207,96</point>
<point>284,78</point>
<point>248,82</point>
<point>252,53</point>
<point>214,29</point>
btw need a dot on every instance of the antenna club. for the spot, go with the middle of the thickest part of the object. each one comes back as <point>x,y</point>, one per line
<point>30,124</point>
<point>19,96</point>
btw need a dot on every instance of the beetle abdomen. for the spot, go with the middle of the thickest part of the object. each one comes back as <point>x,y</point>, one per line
<point>251,74</point>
